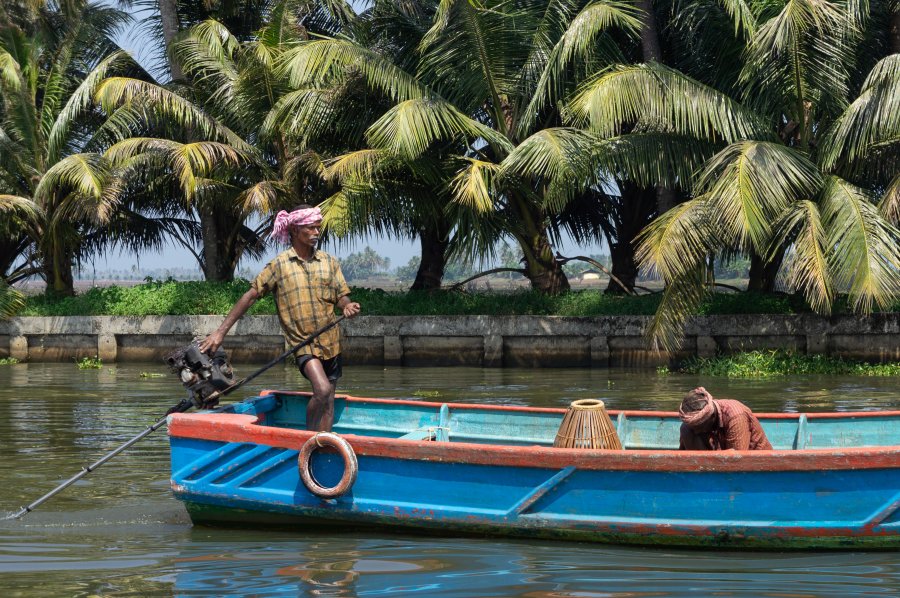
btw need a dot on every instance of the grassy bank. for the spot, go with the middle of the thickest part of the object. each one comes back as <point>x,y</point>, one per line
<point>200,298</point>
<point>770,364</point>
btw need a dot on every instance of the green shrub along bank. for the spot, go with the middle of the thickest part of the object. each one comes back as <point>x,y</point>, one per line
<point>769,364</point>
<point>159,298</point>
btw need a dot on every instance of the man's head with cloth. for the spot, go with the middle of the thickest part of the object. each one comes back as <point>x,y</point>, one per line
<point>302,215</point>
<point>698,410</point>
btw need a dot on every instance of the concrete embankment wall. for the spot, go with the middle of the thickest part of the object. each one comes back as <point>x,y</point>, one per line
<point>488,341</point>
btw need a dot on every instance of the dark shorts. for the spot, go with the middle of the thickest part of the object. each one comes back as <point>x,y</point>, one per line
<point>333,367</point>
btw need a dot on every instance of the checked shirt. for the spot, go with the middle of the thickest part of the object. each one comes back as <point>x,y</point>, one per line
<point>305,292</point>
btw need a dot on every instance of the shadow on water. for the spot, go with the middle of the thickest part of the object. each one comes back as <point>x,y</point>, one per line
<point>119,532</point>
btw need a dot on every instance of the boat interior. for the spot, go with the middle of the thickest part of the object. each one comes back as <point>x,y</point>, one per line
<point>498,425</point>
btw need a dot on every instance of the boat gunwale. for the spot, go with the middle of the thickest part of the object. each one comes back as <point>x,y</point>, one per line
<point>562,410</point>
<point>233,427</point>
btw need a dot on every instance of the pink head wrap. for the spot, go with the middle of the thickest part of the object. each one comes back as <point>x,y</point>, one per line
<point>285,220</point>
<point>698,418</point>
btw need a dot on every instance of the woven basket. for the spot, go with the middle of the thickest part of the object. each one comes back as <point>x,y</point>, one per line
<point>587,425</point>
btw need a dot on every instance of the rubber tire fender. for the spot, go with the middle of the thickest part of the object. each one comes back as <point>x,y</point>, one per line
<point>351,466</point>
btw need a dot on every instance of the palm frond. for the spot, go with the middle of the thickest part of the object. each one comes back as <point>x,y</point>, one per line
<point>651,159</point>
<point>130,148</point>
<point>864,256</point>
<point>216,41</point>
<point>83,174</point>
<point>475,52</point>
<point>22,206</point>
<point>409,128</point>
<point>807,269</point>
<point>659,98</point>
<point>10,71</point>
<point>336,214</point>
<point>577,42</point>
<point>558,159</point>
<point>742,14</point>
<point>678,241</point>
<point>797,60</point>
<point>79,102</point>
<point>12,301</point>
<point>751,183</point>
<point>552,154</point>
<point>552,22</point>
<point>116,91</point>
<point>889,206</point>
<point>871,118</point>
<point>313,64</point>
<point>191,163</point>
<point>308,162</point>
<point>364,209</point>
<point>261,198</point>
<point>473,187</point>
<point>681,299</point>
<point>303,114</point>
<point>362,164</point>
<point>194,162</point>
<point>208,53</point>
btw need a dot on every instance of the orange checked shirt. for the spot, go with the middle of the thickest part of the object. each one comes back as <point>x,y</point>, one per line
<point>306,293</point>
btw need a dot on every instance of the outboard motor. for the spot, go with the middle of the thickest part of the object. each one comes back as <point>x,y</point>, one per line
<point>203,375</point>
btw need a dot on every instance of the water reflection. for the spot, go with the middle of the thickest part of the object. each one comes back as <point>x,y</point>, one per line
<point>119,532</point>
<point>363,566</point>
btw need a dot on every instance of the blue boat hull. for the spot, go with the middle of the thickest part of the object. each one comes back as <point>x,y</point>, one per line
<point>241,468</point>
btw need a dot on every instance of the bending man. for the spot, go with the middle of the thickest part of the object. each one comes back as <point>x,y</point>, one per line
<point>718,424</point>
<point>307,285</point>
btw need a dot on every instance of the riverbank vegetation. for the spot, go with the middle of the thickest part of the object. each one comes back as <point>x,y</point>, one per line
<point>769,364</point>
<point>678,134</point>
<point>201,298</point>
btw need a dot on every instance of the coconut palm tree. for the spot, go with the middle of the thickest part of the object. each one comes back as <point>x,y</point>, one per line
<point>232,87</point>
<point>48,129</point>
<point>379,194</point>
<point>772,191</point>
<point>484,83</point>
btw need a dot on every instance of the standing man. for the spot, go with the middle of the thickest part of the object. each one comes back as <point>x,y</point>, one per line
<point>307,285</point>
<point>719,424</point>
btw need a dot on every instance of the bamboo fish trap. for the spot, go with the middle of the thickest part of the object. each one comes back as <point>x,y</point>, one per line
<point>587,425</point>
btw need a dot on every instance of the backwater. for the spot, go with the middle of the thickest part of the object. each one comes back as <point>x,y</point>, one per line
<point>119,532</point>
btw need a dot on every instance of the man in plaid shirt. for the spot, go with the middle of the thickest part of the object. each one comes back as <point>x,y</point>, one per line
<point>307,285</point>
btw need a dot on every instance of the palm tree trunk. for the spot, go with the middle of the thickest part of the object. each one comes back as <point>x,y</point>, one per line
<point>434,240</point>
<point>541,266</point>
<point>168,13</point>
<point>665,199</point>
<point>651,51</point>
<point>216,263</point>
<point>218,255</point>
<point>764,275</point>
<point>894,31</point>
<point>650,46</point>
<point>637,207</point>
<point>58,270</point>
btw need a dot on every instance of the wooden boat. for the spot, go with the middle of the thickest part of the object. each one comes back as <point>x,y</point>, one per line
<point>832,481</point>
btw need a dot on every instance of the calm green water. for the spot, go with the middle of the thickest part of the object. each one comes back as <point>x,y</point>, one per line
<point>119,532</point>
